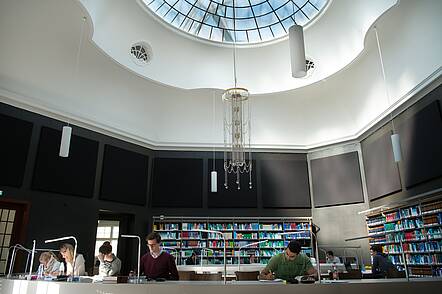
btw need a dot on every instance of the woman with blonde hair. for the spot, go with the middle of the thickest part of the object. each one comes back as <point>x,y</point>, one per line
<point>77,269</point>
<point>50,263</point>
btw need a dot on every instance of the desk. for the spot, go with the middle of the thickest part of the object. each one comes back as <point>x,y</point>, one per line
<point>217,287</point>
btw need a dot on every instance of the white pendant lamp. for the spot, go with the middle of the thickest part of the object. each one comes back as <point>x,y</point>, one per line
<point>395,139</point>
<point>297,51</point>
<point>214,182</point>
<point>65,142</point>
<point>66,134</point>
<point>213,174</point>
<point>396,144</point>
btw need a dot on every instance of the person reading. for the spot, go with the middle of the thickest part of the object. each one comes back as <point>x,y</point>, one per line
<point>289,264</point>
<point>110,265</point>
<point>330,258</point>
<point>158,264</point>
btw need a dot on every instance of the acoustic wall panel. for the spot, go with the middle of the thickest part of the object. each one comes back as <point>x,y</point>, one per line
<point>285,184</point>
<point>336,180</point>
<point>16,136</point>
<point>73,175</point>
<point>381,171</point>
<point>177,182</point>
<point>124,176</point>
<point>421,143</point>
<point>232,197</point>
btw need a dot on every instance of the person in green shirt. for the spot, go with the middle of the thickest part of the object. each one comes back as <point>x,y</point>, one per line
<point>288,265</point>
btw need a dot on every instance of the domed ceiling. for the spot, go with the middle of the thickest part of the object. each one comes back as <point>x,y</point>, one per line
<point>168,103</point>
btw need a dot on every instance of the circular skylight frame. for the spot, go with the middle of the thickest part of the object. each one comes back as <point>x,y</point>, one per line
<point>271,18</point>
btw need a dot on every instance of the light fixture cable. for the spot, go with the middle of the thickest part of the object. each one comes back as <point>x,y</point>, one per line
<point>66,133</point>
<point>395,139</point>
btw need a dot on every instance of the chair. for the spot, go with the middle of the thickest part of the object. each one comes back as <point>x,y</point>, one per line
<point>186,275</point>
<point>350,275</point>
<point>247,276</point>
<point>208,277</point>
<point>393,273</point>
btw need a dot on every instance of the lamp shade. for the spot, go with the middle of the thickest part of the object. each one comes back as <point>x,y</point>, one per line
<point>65,141</point>
<point>297,51</point>
<point>213,182</point>
<point>396,144</point>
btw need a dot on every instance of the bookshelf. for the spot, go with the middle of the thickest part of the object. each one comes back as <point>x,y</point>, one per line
<point>419,227</point>
<point>177,233</point>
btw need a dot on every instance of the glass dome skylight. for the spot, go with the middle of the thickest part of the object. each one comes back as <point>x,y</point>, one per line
<point>256,20</point>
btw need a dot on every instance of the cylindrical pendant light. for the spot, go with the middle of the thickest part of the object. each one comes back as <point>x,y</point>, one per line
<point>213,174</point>
<point>297,51</point>
<point>65,141</point>
<point>214,182</point>
<point>396,143</point>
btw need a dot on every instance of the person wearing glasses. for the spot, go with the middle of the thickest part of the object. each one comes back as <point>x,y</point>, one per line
<point>288,265</point>
<point>158,264</point>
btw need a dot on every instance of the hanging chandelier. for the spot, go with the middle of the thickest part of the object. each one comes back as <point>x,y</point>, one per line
<point>237,151</point>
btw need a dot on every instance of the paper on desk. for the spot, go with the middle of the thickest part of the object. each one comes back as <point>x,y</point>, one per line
<point>275,280</point>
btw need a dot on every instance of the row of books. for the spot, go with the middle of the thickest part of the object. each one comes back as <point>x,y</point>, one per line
<point>296,226</point>
<point>169,235</point>
<point>405,236</point>
<point>433,219</point>
<point>404,224</point>
<point>271,227</point>
<point>166,226</point>
<point>424,271</point>
<point>375,220</point>
<point>417,259</point>
<point>377,229</point>
<point>245,235</point>
<point>221,226</point>
<point>402,213</point>
<point>193,244</point>
<point>193,226</point>
<point>246,226</point>
<point>431,207</point>
<point>232,226</point>
<point>415,247</point>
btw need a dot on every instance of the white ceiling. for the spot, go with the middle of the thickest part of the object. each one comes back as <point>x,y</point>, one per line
<point>332,41</point>
<point>38,47</point>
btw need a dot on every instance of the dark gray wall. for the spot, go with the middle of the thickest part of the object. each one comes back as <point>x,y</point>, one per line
<point>336,180</point>
<point>420,171</point>
<point>381,171</point>
<point>104,175</point>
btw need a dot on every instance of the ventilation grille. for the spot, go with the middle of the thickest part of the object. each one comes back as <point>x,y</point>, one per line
<point>310,67</point>
<point>141,53</point>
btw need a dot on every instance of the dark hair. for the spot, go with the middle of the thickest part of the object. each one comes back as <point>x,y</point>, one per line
<point>376,248</point>
<point>330,253</point>
<point>154,236</point>
<point>106,248</point>
<point>294,246</point>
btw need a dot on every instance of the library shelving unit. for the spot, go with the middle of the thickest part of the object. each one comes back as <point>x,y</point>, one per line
<point>180,238</point>
<point>419,227</point>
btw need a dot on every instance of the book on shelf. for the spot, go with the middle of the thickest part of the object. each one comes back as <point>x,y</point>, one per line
<point>179,234</point>
<point>418,227</point>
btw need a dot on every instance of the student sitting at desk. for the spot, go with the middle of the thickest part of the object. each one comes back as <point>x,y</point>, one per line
<point>50,263</point>
<point>288,265</point>
<point>158,264</point>
<point>330,258</point>
<point>381,265</point>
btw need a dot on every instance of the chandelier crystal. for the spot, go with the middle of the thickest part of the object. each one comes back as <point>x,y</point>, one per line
<point>237,127</point>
